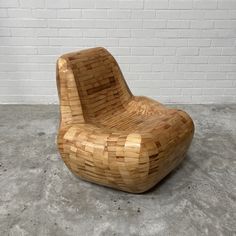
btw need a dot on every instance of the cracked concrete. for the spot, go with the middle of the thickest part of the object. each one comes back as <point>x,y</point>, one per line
<point>39,196</point>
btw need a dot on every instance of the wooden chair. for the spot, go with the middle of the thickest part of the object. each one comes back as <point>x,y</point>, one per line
<point>107,135</point>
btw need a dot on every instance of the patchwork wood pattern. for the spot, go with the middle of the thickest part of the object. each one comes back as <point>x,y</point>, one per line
<point>107,135</point>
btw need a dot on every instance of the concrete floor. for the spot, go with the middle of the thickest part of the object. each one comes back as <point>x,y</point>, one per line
<point>39,196</point>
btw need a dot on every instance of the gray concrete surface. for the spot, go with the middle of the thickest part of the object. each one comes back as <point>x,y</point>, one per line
<point>39,196</point>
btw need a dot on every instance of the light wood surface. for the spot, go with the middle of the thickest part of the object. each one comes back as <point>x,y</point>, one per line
<point>107,135</point>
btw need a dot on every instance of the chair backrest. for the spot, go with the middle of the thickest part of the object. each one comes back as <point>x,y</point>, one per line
<point>93,82</point>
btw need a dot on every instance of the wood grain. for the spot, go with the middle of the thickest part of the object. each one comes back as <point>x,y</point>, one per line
<point>107,135</point>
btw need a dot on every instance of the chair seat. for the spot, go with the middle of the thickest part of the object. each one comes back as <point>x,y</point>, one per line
<point>129,149</point>
<point>110,137</point>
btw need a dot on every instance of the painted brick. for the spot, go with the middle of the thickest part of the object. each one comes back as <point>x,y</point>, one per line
<point>215,51</point>
<point>5,32</point>
<point>142,51</point>
<point>82,4</point>
<point>164,51</point>
<point>31,3</point>
<point>143,33</point>
<point>94,14</point>
<point>226,4</point>
<point>57,4</point>
<point>152,4</point>
<point>44,13</point>
<point>153,24</point>
<point>21,13</point>
<point>107,4</point>
<point>69,14</point>
<point>130,4</point>
<point>177,24</point>
<point>144,14</point>
<point>207,4</point>
<point>9,3</point>
<point>118,33</point>
<point>94,33</point>
<point>201,24</point>
<point>180,4</point>
<point>70,32</point>
<point>3,12</point>
<point>187,51</point>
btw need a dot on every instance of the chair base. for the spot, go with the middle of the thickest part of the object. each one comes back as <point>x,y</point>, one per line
<point>128,176</point>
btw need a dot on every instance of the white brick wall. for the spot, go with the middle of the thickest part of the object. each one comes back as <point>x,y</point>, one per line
<point>176,51</point>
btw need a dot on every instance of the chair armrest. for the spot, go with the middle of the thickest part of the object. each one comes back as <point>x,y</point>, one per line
<point>112,148</point>
<point>89,130</point>
<point>94,139</point>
